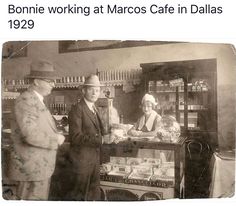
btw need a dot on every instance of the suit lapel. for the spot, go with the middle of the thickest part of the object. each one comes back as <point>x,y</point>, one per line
<point>90,114</point>
<point>44,110</point>
<point>100,123</point>
<point>51,121</point>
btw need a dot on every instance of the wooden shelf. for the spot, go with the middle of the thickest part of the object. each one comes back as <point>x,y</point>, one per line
<point>193,110</point>
<point>166,92</point>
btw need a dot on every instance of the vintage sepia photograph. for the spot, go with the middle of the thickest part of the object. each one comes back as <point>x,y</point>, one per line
<point>110,120</point>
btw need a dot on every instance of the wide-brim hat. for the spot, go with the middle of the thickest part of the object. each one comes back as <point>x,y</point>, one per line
<point>93,81</point>
<point>42,69</point>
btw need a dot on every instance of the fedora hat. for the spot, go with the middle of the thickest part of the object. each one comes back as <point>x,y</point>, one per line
<point>92,80</point>
<point>41,69</point>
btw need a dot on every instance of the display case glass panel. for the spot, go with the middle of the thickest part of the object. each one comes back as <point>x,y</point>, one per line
<point>141,167</point>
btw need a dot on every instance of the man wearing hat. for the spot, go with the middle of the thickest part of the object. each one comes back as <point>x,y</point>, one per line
<point>34,135</point>
<point>86,130</point>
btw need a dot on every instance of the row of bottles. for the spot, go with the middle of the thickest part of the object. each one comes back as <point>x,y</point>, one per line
<point>58,109</point>
<point>197,86</point>
<point>66,79</point>
<point>13,82</point>
<point>71,79</point>
<point>160,86</point>
<point>119,75</point>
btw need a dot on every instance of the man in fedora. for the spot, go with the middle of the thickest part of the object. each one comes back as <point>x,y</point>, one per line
<point>34,135</point>
<point>86,131</point>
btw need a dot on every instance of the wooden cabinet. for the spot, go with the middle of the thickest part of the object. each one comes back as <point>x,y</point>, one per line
<point>186,90</point>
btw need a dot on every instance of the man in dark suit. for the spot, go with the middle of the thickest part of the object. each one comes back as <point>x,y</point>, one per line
<point>86,130</point>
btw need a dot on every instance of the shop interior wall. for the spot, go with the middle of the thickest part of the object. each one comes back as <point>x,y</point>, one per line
<point>87,62</point>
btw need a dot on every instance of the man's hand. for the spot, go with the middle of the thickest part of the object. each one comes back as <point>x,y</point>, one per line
<point>60,139</point>
<point>135,133</point>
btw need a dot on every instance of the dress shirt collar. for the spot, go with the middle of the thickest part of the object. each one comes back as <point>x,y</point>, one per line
<point>90,105</point>
<point>39,96</point>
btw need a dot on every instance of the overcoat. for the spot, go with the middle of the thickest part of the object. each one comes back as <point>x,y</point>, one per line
<point>34,137</point>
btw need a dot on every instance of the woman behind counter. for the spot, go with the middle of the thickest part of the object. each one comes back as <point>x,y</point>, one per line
<point>147,125</point>
<point>150,122</point>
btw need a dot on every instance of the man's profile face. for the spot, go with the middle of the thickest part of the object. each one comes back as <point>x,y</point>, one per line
<point>91,93</point>
<point>44,86</point>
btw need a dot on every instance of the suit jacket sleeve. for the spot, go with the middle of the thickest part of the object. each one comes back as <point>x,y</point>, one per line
<point>77,134</point>
<point>27,117</point>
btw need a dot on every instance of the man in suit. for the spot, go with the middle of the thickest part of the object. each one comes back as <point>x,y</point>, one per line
<point>34,135</point>
<point>86,130</point>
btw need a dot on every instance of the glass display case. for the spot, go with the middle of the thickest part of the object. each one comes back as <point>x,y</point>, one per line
<point>143,170</point>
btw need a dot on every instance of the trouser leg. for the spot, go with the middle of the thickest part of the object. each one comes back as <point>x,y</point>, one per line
<point>94,188</point>
<point>33,190</point>
<point>81,188</point>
